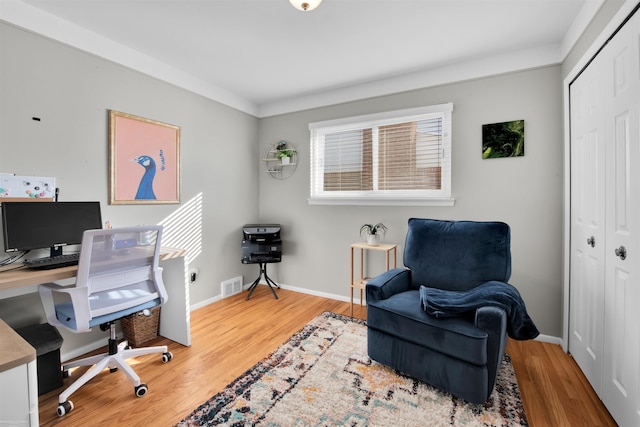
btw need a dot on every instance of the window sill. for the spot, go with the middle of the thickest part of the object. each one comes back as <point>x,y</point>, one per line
<point>373,201</point>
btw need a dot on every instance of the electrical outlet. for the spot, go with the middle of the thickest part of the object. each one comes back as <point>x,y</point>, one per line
<point>193,275</point>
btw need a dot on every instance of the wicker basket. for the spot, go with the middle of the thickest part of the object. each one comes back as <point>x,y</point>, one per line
<point>139,329</point>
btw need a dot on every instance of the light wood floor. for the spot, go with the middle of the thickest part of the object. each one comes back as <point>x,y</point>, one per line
<point>230,336</point>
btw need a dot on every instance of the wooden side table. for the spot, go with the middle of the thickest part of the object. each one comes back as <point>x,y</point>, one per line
<point>361,282</point>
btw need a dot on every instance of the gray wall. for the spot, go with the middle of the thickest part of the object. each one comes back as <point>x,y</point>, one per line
<point>607,11</point>
<point>71,92</point>
<point>524,192</point>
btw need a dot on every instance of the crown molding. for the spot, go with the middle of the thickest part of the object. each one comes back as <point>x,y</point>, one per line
<point>25,16</point>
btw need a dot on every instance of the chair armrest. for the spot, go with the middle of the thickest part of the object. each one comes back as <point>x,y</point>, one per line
<point>162,290</point>
<point>79,299</point>
<point>493,320</point>
<point>388,283</point>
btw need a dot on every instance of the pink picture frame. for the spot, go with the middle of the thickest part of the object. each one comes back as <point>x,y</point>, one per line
<point>144,160</point>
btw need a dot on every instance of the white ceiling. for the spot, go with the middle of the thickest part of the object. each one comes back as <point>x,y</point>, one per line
<point>265,57</point>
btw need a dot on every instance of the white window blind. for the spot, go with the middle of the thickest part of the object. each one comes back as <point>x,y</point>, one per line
<point>399,157</point>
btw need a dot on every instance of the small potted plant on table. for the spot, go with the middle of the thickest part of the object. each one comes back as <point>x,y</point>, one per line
<point>374,232</point>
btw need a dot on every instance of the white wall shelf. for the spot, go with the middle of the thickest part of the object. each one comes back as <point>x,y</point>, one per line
<point>277,166</point>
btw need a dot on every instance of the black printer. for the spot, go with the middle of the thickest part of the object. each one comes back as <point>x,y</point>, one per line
<point>261,243</point>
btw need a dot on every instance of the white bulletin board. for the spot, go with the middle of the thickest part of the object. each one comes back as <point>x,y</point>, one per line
<point>23,188</point>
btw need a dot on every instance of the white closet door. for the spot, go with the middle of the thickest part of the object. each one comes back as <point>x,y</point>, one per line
<point>620,387</point>
<point>588,146</point>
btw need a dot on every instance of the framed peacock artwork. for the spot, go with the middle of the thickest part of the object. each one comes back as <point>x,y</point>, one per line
<point>144,160</point>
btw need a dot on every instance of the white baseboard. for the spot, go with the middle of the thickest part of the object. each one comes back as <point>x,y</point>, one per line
<point>319,294</point>
<point>542,338</point>
<point>549,339</point>
<point>205,303</point>
<point>97,344</point>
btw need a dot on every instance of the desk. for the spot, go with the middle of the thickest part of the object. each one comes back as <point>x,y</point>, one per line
<point>175,322</point>
<point>18,379</point>
<point>361,282</point>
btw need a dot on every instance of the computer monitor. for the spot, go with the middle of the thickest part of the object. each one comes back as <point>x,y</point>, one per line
<point>41,225</point>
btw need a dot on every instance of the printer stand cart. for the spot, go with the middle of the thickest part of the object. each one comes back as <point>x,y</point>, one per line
<point>263,272</point>
<point>261,245</point>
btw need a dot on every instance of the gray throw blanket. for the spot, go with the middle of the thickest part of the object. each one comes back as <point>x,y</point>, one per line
<point>443,303</point>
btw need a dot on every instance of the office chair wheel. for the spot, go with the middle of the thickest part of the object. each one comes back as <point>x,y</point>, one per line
<point>65,408</point>
<point>166,357</point>
<point>66,374</point>
<point>141,390</point>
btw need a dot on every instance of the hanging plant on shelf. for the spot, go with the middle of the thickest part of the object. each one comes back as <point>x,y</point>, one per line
<point>374,232</point>
<point>280,159</point>
<point>285,155</point>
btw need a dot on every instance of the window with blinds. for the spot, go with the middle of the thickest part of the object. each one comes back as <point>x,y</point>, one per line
<point>400,157</point>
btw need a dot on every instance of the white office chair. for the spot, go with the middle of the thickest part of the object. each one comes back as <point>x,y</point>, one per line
<point>118,275</point>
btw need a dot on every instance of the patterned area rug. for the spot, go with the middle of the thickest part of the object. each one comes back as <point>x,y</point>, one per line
<point>322,376</point>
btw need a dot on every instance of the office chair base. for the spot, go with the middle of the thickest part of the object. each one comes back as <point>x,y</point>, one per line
<point>114,362</point>
<point>64,408</point>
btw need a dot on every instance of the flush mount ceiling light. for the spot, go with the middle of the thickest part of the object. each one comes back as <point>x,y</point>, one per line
<point>305,5</point>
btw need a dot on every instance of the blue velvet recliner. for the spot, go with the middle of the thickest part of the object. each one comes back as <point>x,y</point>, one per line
<point>459,354</point>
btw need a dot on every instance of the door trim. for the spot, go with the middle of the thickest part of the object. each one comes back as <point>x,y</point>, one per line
<point>625,11</point>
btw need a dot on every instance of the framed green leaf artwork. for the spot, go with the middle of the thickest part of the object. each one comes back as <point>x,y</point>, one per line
<point>504,139</point>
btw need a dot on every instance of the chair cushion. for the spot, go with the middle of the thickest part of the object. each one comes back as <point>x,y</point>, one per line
<point>66,315</point>
<point>402,316</point>
<point>457,255</point>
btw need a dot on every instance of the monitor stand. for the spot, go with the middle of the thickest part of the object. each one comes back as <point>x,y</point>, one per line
<point>55,251</point>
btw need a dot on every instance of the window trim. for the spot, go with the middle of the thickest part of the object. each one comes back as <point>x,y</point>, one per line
<point>393,197</point>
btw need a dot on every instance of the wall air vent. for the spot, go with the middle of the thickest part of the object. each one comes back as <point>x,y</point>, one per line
<point>231,287</point>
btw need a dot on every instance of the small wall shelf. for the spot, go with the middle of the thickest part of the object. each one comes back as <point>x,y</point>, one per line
<point>280,167</point>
